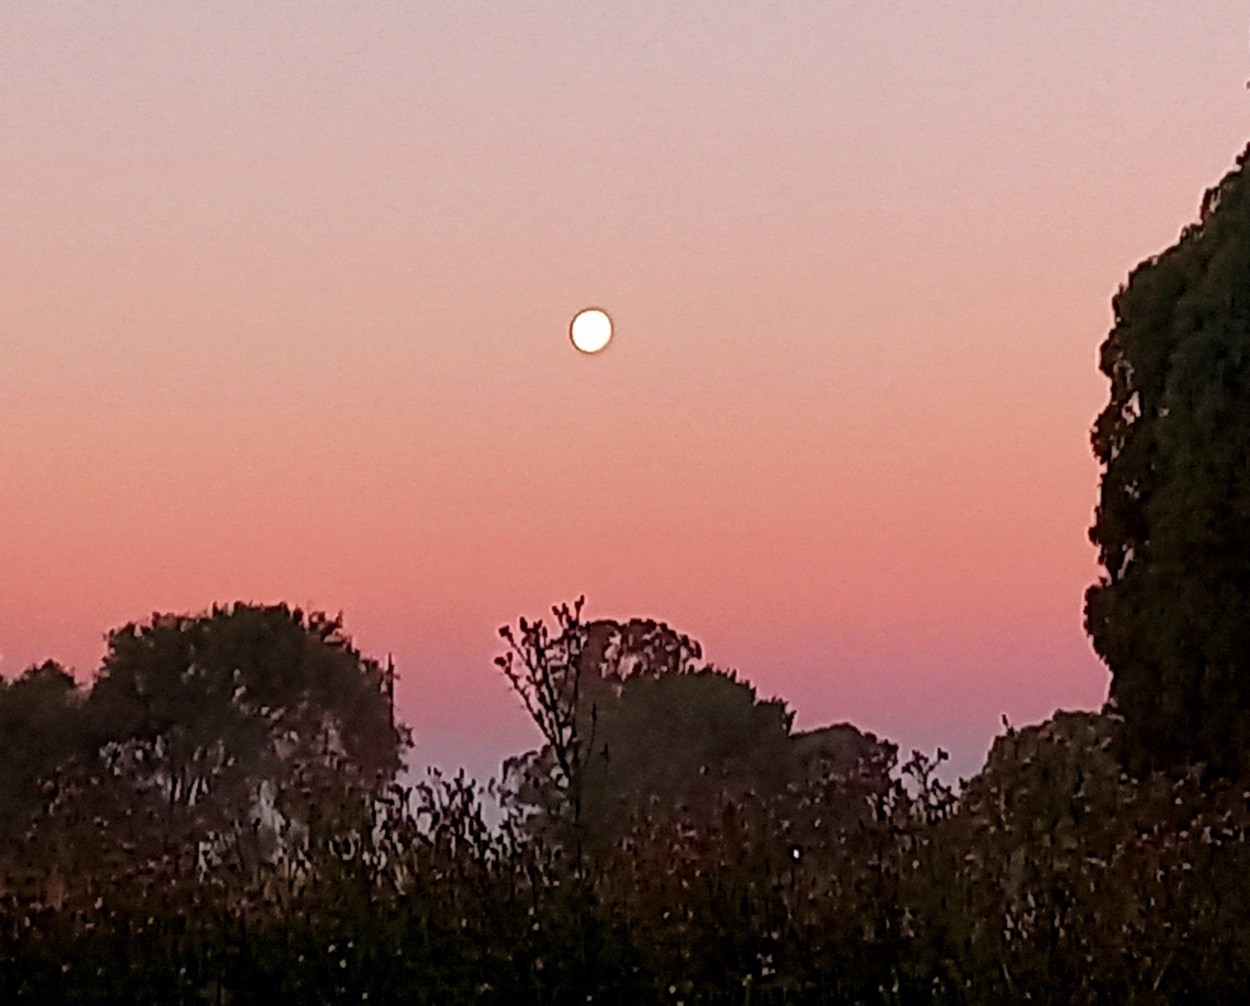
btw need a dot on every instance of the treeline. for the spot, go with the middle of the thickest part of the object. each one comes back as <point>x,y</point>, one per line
<point>219,836</point>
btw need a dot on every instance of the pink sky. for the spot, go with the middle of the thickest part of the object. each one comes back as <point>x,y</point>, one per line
<point>284,297</point>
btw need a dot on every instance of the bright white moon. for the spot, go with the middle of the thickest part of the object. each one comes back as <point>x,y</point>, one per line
<point>591,329</point>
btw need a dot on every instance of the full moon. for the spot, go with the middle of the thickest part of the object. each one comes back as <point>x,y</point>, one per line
<point>590,330</point>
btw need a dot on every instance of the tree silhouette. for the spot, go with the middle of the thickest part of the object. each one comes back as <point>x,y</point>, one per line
<point>41,729</point>
<point>645,729</point>
<point>208,709</point>
<point>1171,614</point>
<point>546,672</point>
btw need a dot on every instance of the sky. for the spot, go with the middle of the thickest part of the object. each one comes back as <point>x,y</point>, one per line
<point>284,303</point>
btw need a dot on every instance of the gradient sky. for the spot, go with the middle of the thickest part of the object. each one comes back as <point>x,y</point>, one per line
<point>284,295</point>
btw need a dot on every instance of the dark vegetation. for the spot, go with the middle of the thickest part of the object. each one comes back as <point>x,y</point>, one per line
<point>1173,522</point>
<point>220,816</point>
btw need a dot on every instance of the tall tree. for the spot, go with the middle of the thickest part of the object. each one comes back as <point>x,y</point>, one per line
<point>1171,614</point>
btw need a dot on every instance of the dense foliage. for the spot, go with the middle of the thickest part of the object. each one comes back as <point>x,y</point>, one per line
<point>1052,876</point>
<point>653,732</point>
<point>1171,615</point>
<point>228,700</point>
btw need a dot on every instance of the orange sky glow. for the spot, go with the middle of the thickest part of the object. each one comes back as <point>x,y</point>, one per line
<point>284,307</point>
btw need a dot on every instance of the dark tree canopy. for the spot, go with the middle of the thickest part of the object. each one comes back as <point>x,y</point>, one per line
<point>651,730</point>
<point>40,731</point>
<point>1171,614</point>
<point>207,708</point>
